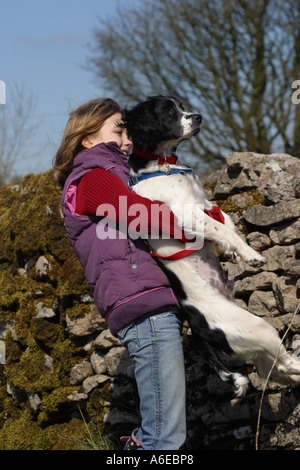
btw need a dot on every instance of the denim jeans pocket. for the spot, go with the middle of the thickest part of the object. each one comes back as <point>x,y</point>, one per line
<point>128,337</point>
<point>123,331</point>
<point>161,316</point>
<point>166,320</point>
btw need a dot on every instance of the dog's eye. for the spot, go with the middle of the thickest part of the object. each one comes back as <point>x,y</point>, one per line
<point>169,111</point>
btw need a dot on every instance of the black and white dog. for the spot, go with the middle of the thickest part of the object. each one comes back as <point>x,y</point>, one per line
<point>222,328</point>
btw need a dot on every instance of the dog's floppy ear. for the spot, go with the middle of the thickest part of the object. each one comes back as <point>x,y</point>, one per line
<point>142,126</point>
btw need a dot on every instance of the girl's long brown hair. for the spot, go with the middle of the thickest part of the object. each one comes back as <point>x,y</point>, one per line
<point>84,120</point>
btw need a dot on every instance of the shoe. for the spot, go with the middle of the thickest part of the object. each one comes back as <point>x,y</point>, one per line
<point>131,443</point>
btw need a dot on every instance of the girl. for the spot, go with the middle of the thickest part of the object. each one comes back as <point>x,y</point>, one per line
<point>130,290</point>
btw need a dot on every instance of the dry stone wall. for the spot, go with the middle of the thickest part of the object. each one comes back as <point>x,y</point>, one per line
<point>62,365</point>
<point>261,193</point>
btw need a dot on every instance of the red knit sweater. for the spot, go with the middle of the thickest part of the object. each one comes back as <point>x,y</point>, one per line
<point>99,186</point>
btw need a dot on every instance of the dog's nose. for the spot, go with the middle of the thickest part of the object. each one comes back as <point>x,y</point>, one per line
<point>197,118</point>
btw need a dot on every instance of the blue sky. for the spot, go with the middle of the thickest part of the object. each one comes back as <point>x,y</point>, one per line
<point>44,47</point>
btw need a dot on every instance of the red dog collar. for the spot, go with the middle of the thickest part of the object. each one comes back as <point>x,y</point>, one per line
<point>161,160</point>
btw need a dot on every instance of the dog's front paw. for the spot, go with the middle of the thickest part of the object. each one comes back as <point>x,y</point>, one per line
<point>253,258</point>
<point>257,262</point>
<point>232,256</point>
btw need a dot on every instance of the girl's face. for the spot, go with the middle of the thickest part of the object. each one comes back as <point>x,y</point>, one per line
<point>109,132</point>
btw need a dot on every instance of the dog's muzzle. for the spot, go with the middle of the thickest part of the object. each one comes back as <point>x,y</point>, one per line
<point>196,123</point>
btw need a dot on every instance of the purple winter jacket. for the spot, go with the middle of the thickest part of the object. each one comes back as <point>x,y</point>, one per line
<point>124,279</point>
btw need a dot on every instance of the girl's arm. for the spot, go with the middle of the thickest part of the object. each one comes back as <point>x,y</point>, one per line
<point>99,186</point>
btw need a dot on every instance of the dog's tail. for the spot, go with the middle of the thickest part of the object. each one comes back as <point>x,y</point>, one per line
<point>239,381</point>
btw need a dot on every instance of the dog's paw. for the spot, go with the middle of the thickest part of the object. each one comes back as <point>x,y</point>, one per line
<point>253,258</point>
<point>232,256</point>
<point>257,262</point>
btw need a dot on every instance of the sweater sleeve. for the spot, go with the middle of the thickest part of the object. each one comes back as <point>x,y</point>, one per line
<point>149,217</point>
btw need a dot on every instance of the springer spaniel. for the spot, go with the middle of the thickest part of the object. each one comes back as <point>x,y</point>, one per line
<point>221,327</point>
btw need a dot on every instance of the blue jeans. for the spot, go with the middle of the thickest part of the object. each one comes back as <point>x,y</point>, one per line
<point>154,344</point>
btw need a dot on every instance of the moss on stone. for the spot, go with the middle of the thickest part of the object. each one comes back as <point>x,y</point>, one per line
<point>55,403</point>
<point>228,205</point>
<point>23,433</point>
<point>25,221</point>
<point>78,310</point>
<point>31,373</point>
<point>32,226</point>
<point>96,406</point>
<point>67,436</point>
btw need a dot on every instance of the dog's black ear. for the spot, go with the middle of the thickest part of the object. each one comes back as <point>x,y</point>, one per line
<point>142,126</point>
<point>125,116</point>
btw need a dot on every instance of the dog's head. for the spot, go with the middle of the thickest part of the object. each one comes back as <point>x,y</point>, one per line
<point>160,122</point>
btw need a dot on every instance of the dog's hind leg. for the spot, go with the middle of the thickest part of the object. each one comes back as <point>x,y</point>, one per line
<point>255,340</point>
<point>233,330</point>
<point>287,368</point>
